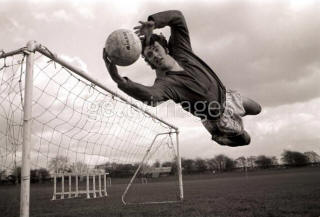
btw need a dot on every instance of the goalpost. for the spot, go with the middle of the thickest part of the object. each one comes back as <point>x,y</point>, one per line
<point>55,116</point>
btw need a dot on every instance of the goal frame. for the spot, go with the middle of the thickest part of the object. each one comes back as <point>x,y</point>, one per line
<point>123,197</point>
<point>29,52</point>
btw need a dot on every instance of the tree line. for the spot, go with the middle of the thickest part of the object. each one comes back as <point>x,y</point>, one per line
<point>222,163</point>
<point>219,163</point>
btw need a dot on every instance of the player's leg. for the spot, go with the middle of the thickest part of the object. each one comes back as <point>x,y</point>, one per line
<point>220,138</point>
<point>250,106</point>
<point>209,125</point>
<point>240,140</point>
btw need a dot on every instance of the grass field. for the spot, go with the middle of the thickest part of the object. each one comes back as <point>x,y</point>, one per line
<point>291,192</point>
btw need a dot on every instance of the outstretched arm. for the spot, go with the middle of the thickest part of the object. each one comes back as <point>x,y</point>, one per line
<point>152,96</point>
<point>145,30</point>
<point>179,31</point>
<point>179,38</point>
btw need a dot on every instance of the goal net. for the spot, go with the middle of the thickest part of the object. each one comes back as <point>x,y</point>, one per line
<point>77,125</point>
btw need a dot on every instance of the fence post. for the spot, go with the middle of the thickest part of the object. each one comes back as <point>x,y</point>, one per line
<point>77,186</point>
<point>105,184</point>
<point>88,186</point>
<point>70,177</point>
<point>62,186</point>
<point>94,185</point>
<point>100,194</point>
<point>54,187</point>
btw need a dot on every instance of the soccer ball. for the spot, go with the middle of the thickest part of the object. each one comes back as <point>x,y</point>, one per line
<point>123,47</point>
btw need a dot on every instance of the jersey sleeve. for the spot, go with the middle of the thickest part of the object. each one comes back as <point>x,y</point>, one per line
<point>179,38</point>
<point>150,95</point>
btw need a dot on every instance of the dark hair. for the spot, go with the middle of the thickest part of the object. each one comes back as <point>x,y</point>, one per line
<point>154,38</point>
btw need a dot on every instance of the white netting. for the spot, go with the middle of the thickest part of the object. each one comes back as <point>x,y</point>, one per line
<point>76,126</point>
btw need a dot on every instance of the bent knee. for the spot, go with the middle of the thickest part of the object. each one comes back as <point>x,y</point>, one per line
<point>241,140</point>
<point>258,109</point>
<point>251,107</point>
<point>246,140</point>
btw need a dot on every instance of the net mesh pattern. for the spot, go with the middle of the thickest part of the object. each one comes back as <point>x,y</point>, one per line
<point>76,125</point>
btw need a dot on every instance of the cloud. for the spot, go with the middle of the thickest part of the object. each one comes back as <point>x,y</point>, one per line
<point>42,16</point>
<point>54,16</point>
<point>75,61</point>
<point>69,13</point>
<point>86,13</point>
<point>261,44</point>
<point>289,91</point>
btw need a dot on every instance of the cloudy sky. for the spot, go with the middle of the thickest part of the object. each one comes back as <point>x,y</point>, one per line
<point>268,50</point>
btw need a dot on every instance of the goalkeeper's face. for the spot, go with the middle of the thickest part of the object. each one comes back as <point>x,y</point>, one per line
<point>156,56</point>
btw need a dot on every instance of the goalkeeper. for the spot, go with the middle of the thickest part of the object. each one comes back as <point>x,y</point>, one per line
<point>183,77</point>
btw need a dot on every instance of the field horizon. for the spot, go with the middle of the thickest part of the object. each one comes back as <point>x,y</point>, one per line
<point>265,193</point>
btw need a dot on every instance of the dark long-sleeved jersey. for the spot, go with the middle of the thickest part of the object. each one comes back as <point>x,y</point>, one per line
<point>197,88</point>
